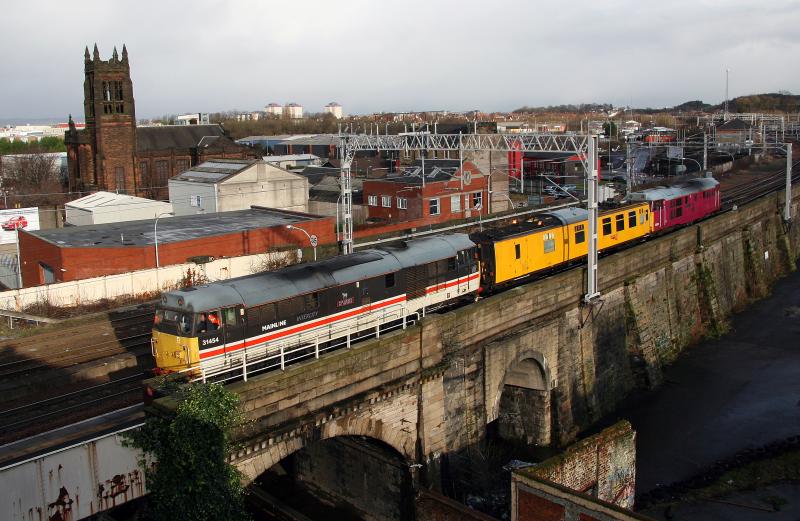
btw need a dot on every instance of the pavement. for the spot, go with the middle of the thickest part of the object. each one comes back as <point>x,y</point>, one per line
<point>723,396</point>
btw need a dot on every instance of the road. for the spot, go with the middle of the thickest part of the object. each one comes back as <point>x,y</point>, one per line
<point>724,396</point>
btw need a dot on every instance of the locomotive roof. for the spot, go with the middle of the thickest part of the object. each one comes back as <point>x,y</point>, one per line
<point>570,215</point>
<point>692,186</point>
<point>298,279</point>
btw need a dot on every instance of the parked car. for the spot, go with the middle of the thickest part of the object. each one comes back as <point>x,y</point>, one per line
<point>15,222</point>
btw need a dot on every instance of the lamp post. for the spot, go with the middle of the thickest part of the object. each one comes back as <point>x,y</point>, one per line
<point>155,233</point>
<point>311,238</point>
<point>695,160</point>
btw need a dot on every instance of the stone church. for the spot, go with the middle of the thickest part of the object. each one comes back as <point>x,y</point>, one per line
<point>113,154</point>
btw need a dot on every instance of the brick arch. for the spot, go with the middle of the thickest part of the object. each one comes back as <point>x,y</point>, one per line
<point>512,371</point>
<point>399,436</point>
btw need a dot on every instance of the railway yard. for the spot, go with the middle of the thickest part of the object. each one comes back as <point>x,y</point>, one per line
<point>78,369</point>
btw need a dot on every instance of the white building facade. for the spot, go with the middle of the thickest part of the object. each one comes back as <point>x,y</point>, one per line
<point>225,185</point>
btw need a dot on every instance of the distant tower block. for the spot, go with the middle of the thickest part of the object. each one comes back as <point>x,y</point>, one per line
<point>335,109</point>
<point>294,111</point>
<point>274,109</point>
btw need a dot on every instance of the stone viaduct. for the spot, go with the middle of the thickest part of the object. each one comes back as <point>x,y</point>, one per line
<point>531,362</point>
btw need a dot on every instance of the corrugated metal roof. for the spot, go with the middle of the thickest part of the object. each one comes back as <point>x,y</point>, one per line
<point>105,199</point>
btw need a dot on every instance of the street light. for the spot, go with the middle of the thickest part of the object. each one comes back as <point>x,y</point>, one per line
<point>311,238</point>
<point>699,166</point>
<point>155,233</point>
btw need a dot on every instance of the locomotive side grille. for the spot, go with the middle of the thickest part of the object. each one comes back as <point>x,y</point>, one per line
<point>417,281</point>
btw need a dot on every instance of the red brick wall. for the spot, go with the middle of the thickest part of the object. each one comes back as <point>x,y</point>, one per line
<point>82,263</point>
<point>531,507</point>
<point>418,198</point>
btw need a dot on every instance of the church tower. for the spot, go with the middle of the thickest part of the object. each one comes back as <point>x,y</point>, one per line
<point>110,124</point>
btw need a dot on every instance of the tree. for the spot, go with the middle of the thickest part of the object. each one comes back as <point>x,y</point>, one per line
<point>610,128</point>
<point>191,478</point>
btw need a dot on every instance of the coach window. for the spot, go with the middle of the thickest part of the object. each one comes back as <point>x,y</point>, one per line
<point>631,219</point>
<point>517,251</point>
<point>549,242</point>
<point>580,234</point>
<point>620,222</point>
<point>389,280</point>
<point>607,226</point>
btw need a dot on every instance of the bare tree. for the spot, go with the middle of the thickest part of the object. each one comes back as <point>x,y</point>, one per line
<point>35,175</point>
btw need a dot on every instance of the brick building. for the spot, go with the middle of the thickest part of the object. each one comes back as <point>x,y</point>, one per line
<point>82,252</point>
<point>112,154</point>
<point>447,193</point>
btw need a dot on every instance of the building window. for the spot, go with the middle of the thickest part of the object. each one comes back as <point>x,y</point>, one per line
<point>162,172</point>
<point>402,203</point>
<point>455,203</point>
<point>620,222</point>
<point>48,274</point>
<point>372,200</point>
<point>144,172</point>
<point>196,200</point>
<point>477,200</point>
<point>181,165</point>
<point>607,226</point>
<point>631,219</point>
<point>119,175</point>
<point>433,207</point>
<point>386,201</point>
<point>580,233</point>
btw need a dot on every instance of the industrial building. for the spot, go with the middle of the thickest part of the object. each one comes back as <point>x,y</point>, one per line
<point>81,252</point>
<point>107,207</point>
<point>439,193</point>
<point>237,184</point>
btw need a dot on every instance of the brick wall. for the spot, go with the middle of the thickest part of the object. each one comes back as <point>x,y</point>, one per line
<point>80,263</point>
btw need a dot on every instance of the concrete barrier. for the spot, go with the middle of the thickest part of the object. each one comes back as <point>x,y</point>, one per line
<point>140,283</point>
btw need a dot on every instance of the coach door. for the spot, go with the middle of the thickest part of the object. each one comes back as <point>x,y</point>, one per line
<point>234,332</point>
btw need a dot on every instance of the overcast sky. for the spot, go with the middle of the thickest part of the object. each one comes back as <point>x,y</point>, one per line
<point>376,55</point>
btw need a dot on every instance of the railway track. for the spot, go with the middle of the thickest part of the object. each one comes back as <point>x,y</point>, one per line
<point>42,415</point>
<point>22,357</point>
<point>132,334</point>
<point>749,192</point>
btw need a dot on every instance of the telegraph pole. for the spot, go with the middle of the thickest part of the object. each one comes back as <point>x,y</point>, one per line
<point>705,152</point>
<point>787,211</point>
<point>591,174</point>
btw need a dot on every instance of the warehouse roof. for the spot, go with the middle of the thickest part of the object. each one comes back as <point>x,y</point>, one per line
<point>214,171</point>
<point>174,136</point>
<point>106,199</point>
<point>170,229</point>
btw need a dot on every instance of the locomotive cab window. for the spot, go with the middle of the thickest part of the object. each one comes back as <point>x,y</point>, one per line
<point>580,234</point>
<point>451,264</point>
<point>620,222</point>
<point>389,280</point>
<point>229,316</point>
<point>607,226</point>
<point>631,219</point>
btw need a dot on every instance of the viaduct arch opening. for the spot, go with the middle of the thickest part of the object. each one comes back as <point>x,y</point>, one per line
<point>347,477</point>
<point>523,407</point>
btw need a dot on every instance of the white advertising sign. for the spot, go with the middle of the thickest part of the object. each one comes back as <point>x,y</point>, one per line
<point>674,152</point>
<point>17,218</point>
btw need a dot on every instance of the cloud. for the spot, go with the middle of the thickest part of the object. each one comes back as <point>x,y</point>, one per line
<point>378,56</point>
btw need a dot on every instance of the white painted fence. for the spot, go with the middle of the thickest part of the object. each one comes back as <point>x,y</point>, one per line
<point>140,282</point>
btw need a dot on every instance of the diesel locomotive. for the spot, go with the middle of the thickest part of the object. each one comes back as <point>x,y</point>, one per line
<point>216,327</point>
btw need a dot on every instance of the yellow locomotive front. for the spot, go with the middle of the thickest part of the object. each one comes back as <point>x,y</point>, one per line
<point>173,345</point>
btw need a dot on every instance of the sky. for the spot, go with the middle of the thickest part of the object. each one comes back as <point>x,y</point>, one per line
<point>378,56</point>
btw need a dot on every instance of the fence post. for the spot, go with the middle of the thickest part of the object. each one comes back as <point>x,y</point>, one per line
<point>244,365</point>
<point>316,347</point>
<point>283,362</point>
<point>203,374</point>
